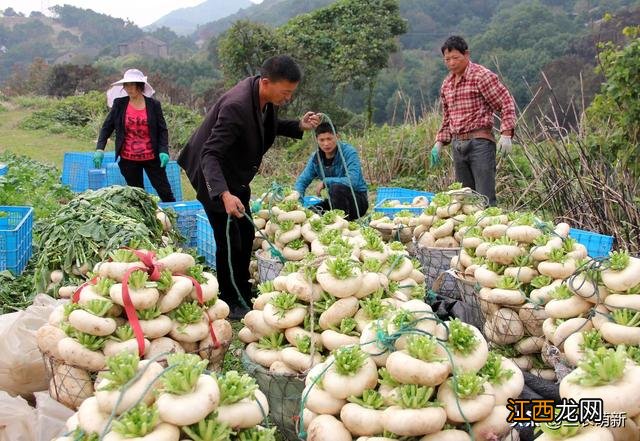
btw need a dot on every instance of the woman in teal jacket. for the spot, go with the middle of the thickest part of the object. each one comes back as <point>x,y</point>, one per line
<point>337,165</point>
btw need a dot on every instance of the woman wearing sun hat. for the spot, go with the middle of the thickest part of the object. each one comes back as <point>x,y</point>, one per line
<point>142,138</point>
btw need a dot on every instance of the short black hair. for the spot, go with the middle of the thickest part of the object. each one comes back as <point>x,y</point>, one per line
<point>325,127</point>
<point>455,42</point>
<point>139,86</point>
<point>281,67</point>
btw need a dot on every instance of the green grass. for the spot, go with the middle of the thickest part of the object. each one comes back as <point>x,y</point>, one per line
<point>47,147</point>
<point>233,357</point>
<point>37,144</point>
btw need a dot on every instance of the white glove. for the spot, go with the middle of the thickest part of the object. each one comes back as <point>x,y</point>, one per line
<point>504,144</point>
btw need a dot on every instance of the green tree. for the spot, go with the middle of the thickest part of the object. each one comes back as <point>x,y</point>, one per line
<point>243,48</point>
<point>522,39</point>
<point>348,43</point>
<point>617,106</point>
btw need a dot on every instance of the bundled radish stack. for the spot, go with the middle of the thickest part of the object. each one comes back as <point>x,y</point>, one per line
<point>612,375</point>
<point>348,280</point>
<point>411,376</point>
<point>604,308</point>
<point>440,222</point>
<point>290,232</point>
<point>519,263</point>
<point>435,233</point>
<point>140,303</point>
<point>141,399</point>
<point>400,227</point>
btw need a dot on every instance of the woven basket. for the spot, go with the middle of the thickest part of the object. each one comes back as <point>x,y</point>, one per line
<point>268,267</point>
<point>435,262</point>
<point>283,392</point>
<point>71,385</point>
<point>511,322</point>
<point>402,234</point>
<point>68,385</point>
<point>468,294</point>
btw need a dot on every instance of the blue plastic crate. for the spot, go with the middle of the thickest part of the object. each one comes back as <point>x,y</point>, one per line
<point>206,240</point>
<point>598,245</point>
<point>76,166</point>
<point>308,201</point>
<point>4,168</point>
<point>97,178</point>
<point>398,192</point>
<point>15,238</point>
<point>392,211</point>
<point>186,221</point>
<point>114,177</point>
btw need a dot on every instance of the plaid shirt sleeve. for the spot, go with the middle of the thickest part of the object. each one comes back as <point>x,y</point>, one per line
<point>500,100</point>
<point>444,134</point>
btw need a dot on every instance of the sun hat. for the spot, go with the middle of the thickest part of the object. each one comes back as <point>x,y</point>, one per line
<point>130,76</point>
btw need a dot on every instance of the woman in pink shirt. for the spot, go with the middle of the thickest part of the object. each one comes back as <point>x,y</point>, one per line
<point>142,138</point>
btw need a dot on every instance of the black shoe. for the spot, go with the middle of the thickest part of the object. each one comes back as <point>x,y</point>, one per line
<point>237,312</point>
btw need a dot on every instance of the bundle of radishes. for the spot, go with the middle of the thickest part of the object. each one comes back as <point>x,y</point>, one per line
<point>326,300</point>
<point>143,400</point>
<point>168,304</point>
<point>601,308</point>
<point>439,225</point>
<point>411,376</point>
<point>519,263</point>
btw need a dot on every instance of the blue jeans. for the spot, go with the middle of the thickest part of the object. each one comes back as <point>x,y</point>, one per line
<point>475,164</point>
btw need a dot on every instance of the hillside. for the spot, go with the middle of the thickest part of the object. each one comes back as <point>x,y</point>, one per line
<point>272,12</point>
<point>185,21</point>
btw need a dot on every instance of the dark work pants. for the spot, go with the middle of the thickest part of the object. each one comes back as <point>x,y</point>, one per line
<point>342,199</point>
<point>475,164</point>
<point>239,244</point>
<point>132,172</point>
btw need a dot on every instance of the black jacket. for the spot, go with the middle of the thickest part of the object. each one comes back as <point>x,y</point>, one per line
<point>115,121</point>
<point>225,152</point>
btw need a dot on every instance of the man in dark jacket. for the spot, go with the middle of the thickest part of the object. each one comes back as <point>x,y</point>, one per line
<point>224,154</point>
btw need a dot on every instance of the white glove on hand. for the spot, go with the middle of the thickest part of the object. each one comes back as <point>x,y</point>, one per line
<point>504,144</point>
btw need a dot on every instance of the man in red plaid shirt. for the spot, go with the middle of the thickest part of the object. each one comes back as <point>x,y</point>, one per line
<point>470,95</point>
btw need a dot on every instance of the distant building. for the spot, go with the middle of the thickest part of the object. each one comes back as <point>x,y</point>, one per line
<point>146,45</point>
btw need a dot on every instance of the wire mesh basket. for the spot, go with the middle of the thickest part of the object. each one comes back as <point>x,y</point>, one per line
<point>468,294</point>
<point>508,324</point>
<point>283,392</point>
<point>435,262</point>
<point>215,355</point>
<point>401,233</point>
<point>71,385</point>
<point>268,267</point>
<point>68,385</point>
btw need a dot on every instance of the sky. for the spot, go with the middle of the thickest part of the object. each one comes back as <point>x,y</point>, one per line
<point>141,12</point>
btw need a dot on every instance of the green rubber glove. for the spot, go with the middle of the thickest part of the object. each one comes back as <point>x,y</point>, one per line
<point>164,159</point>
<point>434,161</point>
<point>98,156</point>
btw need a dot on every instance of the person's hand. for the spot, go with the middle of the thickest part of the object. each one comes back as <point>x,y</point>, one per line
<point>232,205</point>
<point>164,159</point>
<point>98,156</point>
<point>504,144</point>
<point>319,188</point>
<point>434,160</point>
<point>310,121</point>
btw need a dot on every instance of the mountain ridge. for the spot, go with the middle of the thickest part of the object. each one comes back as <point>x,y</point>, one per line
<point>185,21</point>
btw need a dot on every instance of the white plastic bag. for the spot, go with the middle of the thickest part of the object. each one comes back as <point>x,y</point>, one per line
<point>17,419</point>
<point>22,370</point>
<point>52,417</point>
